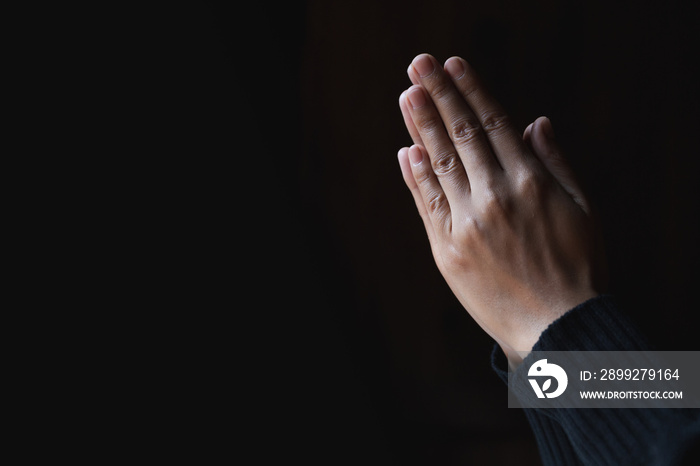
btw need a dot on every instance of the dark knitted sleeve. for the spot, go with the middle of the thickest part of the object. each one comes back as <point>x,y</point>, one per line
<point>604,436</point>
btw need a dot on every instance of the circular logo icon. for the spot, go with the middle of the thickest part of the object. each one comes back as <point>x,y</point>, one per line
<point>543,369</point>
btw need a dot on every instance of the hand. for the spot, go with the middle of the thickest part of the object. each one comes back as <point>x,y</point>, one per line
<point>509,228</point>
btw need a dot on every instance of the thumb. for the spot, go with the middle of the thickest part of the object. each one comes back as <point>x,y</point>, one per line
<point>544,145</point>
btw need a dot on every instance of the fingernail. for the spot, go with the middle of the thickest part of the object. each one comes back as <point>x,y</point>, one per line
<point>416,97</point>
<point>415,155</point>
<point>423,65</point>
<point>547,129</point>
<point>454,68</point>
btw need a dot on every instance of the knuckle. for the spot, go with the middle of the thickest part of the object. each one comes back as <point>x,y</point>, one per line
<point>469,235</point>
<point>456,256</point>
<point>495,121</point>
<point>470,229</point>
<point>470,85</point>
<point>436,203</point>
<point>440,88</point>
<point>530,184</point>
<point>427,122</point>
<point>465,130</point>
<point>421,176</point>
<point>446,164</point>
<point>494,206</point>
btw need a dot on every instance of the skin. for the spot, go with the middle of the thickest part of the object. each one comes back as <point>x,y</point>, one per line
<point>509,227</point>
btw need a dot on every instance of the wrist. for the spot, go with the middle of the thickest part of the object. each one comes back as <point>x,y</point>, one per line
<point>535,322</point>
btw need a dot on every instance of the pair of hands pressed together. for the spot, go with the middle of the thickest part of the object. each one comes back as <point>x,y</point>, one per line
<point>509,228</point>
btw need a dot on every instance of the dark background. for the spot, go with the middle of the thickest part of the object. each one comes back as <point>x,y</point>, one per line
<point>360,352</point>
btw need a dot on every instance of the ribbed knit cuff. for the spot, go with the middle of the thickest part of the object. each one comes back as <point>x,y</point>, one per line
<point>595,325</point>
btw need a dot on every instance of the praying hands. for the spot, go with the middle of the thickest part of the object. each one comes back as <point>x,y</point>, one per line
<point>509,227</point>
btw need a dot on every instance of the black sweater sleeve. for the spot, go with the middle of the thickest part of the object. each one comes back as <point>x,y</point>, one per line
<point>604,436</point>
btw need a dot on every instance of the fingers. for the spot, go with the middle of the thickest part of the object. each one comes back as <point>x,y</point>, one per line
<point>428,194</point>
<point>505,141</point>
<point>541,139</point>
<point>460,121</point>
<point>444,159</point>
<point>405,165</point>
<point>408,121</point>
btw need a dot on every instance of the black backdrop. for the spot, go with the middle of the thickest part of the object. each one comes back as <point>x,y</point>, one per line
<point>357,351</point>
